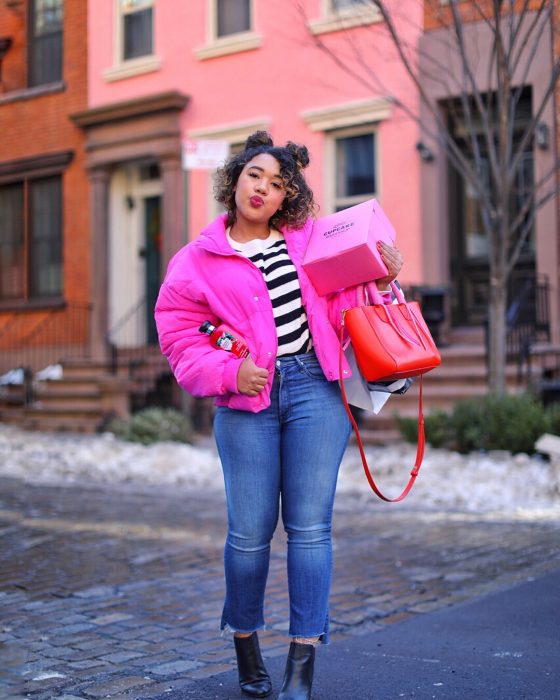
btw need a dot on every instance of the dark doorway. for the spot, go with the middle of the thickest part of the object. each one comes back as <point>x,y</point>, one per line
<point>152,259</point>
<point>469,245</point>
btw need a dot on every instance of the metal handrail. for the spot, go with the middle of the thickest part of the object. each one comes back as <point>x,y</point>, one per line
<point>527,321</point>
<point>131,314</point>
<point>58,335</point>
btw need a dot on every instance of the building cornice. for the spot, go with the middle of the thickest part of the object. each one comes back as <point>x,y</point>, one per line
<point>347,114</point>
<point>171,101</point>
<point>36,165</point>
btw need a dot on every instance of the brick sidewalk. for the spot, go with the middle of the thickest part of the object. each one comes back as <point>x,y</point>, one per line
<point>117,591</point>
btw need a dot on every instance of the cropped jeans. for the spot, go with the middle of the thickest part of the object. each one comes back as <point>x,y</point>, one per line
<point>289,453</point>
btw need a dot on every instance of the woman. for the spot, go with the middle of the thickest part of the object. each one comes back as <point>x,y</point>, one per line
<point>280,424</point>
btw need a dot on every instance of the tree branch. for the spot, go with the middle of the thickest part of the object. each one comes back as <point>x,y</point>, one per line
<point>483,113</point>
<point>524,235</point>
<point>529,200</point>
<point>530,129</point>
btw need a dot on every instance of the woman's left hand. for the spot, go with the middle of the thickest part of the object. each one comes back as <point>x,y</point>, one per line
<point>393,260</point>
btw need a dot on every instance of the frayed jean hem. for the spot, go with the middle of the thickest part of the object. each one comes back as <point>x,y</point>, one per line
<point>227,630</point>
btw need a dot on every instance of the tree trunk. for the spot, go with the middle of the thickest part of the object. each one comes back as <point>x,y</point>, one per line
<point>497,337</point>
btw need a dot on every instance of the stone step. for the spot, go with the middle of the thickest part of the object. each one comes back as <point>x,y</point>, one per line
<point>76,410</point>
<point>473,335</point>
<point>66,384</point>
<point>91,369</point>
<point>12,394</point>
<point>55,423</point>
<point>467,374</point>
<point>63,402</point>
<point>375,436</point>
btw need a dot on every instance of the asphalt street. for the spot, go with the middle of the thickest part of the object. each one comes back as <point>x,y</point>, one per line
<point>115,591</point>
<point>503,646</point>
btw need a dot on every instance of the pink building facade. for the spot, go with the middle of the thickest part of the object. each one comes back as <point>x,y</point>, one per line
<point>320,72</point>
<point>205,69</point>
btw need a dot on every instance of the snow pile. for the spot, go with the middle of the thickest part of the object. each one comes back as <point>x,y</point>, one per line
<point>476,482</point>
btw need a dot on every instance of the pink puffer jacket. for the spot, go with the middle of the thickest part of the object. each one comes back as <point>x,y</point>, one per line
<point>207,279</point>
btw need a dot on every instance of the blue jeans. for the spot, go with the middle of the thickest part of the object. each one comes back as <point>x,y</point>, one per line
<point>291,452</point>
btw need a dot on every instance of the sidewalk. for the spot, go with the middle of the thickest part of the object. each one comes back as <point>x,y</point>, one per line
<point>505,646</point>
<point>115,591</point>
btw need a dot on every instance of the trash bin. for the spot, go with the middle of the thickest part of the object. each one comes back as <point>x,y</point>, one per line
<point>433,301</point>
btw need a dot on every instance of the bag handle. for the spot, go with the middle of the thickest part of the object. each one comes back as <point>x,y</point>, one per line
<point>373,296</point>
<point>419,449</point>
<point>376,297</point>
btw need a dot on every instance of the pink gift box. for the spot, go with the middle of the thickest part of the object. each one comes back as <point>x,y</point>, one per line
<point>342,250</point>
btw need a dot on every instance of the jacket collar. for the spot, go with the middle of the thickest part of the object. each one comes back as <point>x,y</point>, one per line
<point>213,238</point>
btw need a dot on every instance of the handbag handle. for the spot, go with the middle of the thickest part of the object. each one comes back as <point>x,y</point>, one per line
<point>400,331</point>
<point>369,290</point>
<point>376,297</point>
<point>419,449</point>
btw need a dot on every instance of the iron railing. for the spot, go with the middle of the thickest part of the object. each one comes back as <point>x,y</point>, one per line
<point>527,323</point>
<point>130,338</point>
<point>31,342</point>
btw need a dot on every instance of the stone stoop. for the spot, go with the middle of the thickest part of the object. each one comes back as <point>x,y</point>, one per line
<point>86,397</point>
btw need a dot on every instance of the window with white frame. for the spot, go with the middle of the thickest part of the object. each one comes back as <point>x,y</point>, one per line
<point>344,14</point>
<point>137,30</point>
<point>341,5</point>
<point>354,176</point>
<point>232,17</point>
<point>231,28</point>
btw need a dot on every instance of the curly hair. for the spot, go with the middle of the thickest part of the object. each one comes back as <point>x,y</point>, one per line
<point>298,204</point>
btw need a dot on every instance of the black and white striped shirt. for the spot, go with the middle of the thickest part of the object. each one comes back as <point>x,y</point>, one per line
<point>272,259</point>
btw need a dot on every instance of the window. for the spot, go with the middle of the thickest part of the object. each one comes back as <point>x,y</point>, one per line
<point>232,17</point>
<point>341,5</point>
<point>230,28</point>
<point>31,239</point>
<point>355,178</point>
<point>137,28</point>
<point>337,15</point>
<point>45,41</point>
<point>11,242</point>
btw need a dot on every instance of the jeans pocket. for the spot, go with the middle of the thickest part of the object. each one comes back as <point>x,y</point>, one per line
<point>311,368</point>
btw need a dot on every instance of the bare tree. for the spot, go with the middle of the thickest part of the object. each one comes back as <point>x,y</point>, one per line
<point>488,157</point>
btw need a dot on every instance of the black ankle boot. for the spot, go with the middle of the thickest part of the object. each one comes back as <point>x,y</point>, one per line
<point>253,677</point>
<point>299,673</point>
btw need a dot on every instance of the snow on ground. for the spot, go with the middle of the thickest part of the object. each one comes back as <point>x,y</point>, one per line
<point>476,482</point>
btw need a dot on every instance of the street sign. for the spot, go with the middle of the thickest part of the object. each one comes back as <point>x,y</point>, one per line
<point>204,154</point>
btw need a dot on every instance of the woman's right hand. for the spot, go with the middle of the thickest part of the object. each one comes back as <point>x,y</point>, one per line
<point>251,380</point>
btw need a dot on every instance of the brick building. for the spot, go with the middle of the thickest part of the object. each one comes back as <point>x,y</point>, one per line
<point>44,189</point>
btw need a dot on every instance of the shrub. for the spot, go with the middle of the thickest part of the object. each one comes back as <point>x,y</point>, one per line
<point>437,428</point>
<point>553,419</point>
<point>153,425</point>
<point>512,423</point>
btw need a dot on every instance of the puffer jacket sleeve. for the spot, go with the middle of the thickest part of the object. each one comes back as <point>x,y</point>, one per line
<point>199,368</point>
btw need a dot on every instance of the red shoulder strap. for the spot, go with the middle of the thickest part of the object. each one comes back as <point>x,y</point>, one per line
<point>421,438</point>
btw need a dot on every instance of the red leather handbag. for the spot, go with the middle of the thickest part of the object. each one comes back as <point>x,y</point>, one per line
<point>390,341</point>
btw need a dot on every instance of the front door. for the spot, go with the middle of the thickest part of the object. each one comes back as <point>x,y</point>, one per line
<point>469,246</point>
<point>152,262</point>
<point>135,258</point>
<point>470,270</point>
